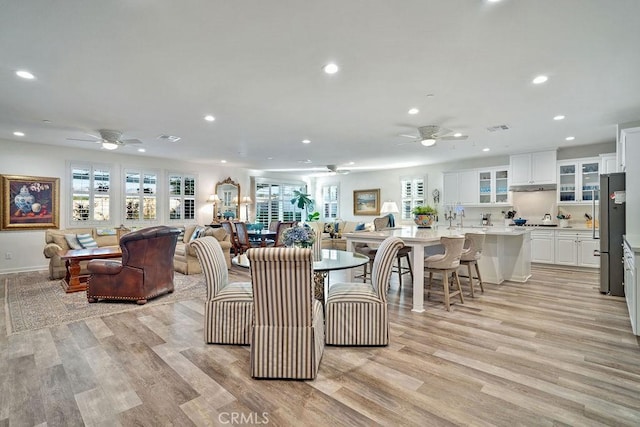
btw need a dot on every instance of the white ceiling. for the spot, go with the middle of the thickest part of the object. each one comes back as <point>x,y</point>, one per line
<point>151,67</point>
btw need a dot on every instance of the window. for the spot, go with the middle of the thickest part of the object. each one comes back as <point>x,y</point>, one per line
<point>182,197</point>
<point>140,190</point>
<point>273,202</point>
<point>412,195</point>
<point>330,201</point>
<point>90,194</point>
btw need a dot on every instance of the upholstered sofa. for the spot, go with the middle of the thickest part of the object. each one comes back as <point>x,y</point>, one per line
<point>55,242</point>
<point>184,259</point>
<point>338,241</point>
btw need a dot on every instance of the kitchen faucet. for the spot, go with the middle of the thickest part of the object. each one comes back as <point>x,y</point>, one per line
<point>460,210</point>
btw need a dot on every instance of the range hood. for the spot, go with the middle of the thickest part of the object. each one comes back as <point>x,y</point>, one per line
<point>533,187</point>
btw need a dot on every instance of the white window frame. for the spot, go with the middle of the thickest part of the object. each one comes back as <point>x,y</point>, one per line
<point>278,200</point>
<point>412,194</point>
<point>182,197</point>
<point>92,194</point>
<point>330,201</point>
<point>141,195</point>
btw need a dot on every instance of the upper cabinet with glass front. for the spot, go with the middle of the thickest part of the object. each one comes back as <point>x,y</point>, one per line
<point>494,185</point>
<point>578,180</point>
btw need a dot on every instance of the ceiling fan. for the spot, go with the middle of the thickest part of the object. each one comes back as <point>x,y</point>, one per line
<point>110,139</point>
<point>333,169</point>
<point>428,135</point>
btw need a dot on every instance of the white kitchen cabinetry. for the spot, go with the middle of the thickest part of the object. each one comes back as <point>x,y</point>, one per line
<point>460,187</point>
<point>576,248</point>
<point>631,286</point>
<point>543,246</point>
<point>608,163</point>
<point>578,180</point>
<point>493,186</point>
<point>533,168</point>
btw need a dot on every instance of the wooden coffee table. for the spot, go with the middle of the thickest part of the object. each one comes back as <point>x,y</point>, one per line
<point>73,281</point>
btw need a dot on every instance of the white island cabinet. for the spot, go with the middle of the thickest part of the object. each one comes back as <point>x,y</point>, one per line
<point>506,252</point>
<point>631,280</point>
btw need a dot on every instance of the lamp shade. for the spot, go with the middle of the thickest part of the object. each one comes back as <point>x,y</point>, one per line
<point>389,207</point>
<point>214,198</point>
<point>246,199</point>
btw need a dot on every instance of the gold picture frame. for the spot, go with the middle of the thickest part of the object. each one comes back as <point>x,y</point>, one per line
<point>366,202</point>
<point>30,202</point>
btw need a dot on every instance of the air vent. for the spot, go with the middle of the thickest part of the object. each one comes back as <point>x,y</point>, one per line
<point>169,138</point>
<point>497,128</point>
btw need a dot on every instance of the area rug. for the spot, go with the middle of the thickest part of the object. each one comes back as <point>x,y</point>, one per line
<point>32,301</point>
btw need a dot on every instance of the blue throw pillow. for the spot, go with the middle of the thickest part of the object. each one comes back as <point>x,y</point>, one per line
<point>86,240</point>
<point>360,227</point>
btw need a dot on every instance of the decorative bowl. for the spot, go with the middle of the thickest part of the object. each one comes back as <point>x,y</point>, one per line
<point>519,221</point>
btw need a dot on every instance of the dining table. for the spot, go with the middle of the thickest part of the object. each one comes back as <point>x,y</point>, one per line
<point>262,236</point>
<point>332,260</point>
<point>506,253</point>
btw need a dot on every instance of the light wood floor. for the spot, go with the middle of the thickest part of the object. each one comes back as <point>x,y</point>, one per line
<point>552,351</point>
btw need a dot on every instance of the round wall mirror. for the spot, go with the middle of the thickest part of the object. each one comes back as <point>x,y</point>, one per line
<point>228,205</point>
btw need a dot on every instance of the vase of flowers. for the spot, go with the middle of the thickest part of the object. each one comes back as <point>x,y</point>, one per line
<point>298,236</point>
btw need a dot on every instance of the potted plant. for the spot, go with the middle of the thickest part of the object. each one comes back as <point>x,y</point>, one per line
<point>424,215</point>
<point>303,201</point>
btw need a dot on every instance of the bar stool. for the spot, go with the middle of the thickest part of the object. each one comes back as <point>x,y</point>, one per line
<point>446,264</point>
<point>470,255</point>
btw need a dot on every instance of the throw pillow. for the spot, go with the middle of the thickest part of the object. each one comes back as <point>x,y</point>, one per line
<point>360,227</point>
<point>87,242</point>
<point>181,235</point>
<point>72,241</point>
<point>196,233</point>
<point>328,227</point>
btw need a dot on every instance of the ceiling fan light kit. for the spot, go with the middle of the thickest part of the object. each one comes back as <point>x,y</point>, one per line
<point>428,142</point>
<point>109,145</point>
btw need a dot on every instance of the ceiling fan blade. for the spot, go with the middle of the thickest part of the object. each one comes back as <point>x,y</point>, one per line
<point>452,138</point>
<point>131,141</point>
<point>84,140</point>
<point>408,136</point>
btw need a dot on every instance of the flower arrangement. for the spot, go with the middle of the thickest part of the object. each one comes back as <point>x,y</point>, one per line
<point>424,210</point>
<point>299,236</point>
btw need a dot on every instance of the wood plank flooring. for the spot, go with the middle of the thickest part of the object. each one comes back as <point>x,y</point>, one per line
<point>552,351</point>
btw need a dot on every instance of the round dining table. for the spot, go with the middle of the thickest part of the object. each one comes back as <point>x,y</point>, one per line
<point>332,260</point>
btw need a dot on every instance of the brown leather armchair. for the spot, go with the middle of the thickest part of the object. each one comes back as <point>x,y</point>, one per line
<point>145,272</point>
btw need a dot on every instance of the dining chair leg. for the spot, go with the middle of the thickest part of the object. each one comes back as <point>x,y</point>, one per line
<point>459,287</point>
<point>471,280</point>
<point>479,278</point>
<point>445,285</point>
<point>429,285</point>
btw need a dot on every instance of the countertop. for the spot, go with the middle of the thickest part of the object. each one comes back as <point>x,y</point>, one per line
<point>633,240</point>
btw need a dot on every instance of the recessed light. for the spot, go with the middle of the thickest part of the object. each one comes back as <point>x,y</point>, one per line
<point>306,141</point>
<point>486,149</point>
<point>351,163</point>
<point>540,79</point>
<point>430,95</point>
<point>570,138</point>
<point>413,111</point>
<point>457,135</point>
<point>141,150</point>
<point>25,74</point>
<point>209,118</point>
<point>46,121</point>
<point>223,161</point>
<point>559,117</point>
<point>269,158</point>
<point>330,68</point>
<point>18,133</point>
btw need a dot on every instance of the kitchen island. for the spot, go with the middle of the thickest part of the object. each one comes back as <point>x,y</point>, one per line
<point>506,253</point>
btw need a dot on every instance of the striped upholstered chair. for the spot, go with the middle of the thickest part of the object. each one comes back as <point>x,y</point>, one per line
<point>287,338</point>
<point>357,312</point>
<point>228,309</point>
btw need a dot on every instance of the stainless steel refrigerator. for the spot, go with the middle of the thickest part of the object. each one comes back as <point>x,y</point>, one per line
<point>612,211</point>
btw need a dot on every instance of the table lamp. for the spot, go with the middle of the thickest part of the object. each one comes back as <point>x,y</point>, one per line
<point>390,208</point>
<point>214,198</point>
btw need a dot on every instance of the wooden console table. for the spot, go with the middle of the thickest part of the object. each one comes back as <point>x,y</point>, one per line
<point>73,281</point>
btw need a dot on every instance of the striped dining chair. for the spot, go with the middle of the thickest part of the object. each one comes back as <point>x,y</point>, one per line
<point>228,309</point>
<point>287,338</point>
<point>357,312</point>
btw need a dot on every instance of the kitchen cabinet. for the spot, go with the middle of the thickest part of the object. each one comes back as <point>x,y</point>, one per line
<point>578,180</point>
<point>608,163</point>
<point>631,286</point>
<point>493,186</point>
<point>533,168</point>
<point>543,246</point>
<point>460,187</point>
<point>631,138</point>
<point>576,248</point>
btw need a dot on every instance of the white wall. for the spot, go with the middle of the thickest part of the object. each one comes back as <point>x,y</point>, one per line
<point>18,158</point>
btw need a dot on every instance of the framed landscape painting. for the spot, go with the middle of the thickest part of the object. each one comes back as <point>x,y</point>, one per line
<point>366,202</point>
<point>30,202</point>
